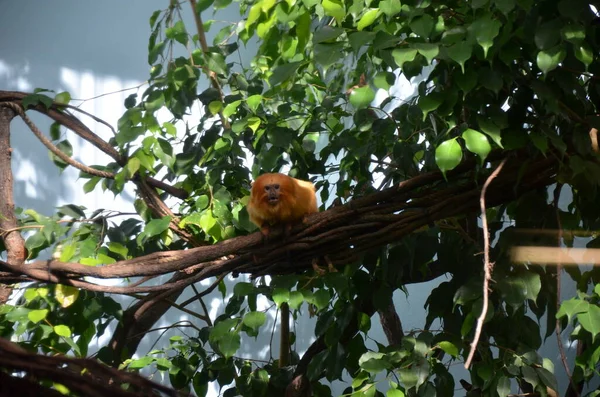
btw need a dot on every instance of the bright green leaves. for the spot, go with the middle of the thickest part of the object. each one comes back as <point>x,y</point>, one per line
<point>63,98</point>
<point>157,226</point>
<point>66,295</point>
<point>335,9</point>
<point>362,97</point>
<point>402,55</point>
<point>477,143</point>
<point>586,313</point>
<point>62,330</point>
<point>36,316</point>
<point>448,155</point>
<point>254,320</point>
<point>367,19</point>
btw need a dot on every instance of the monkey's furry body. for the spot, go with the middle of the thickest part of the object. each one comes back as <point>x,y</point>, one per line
<point>280,199</point>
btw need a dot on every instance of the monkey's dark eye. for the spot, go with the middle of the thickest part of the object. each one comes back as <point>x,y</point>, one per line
<point>267,188</point>
<point>276,186</point>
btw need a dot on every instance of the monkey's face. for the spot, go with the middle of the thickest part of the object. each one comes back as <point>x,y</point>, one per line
<point>272,193</point>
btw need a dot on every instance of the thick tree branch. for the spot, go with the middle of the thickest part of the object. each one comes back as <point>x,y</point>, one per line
<point>13,241</point>
<point>86,377</point>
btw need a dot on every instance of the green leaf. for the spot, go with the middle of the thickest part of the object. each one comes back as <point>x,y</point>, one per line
<point>384,80</point>
<point>548,60</point>
<point>140,362</point>
<point>74,211</point>
<point>422,25</point>
<point>367,19</point>
<point>177,32</point>
<point>477,143</point>
<point>328,34</point>
<point>485,29</point>
<point>335,9</point>
<point>547,378</point>
<point>254,320</point>
<point>460,53</point>
<point>402,55</point>
<point>449,348</point>
<point>63,97</point>
<point>491,129</point>
<point>321,299</point>
<point>503,387</point>
<point>254,102</point>
<point>573,33</point>
<point>284,72</point>
<point>590,320</point>
<point>584,53</point>
<point>395,393</point>
<point>327,54</point>
<point>390,7</point>
<point>429,103</point>
<point>66,295</point>
<point>317,365</point>
<point>202,5</point>
<point>448,155</point>
<point>373,362</point>
<point>243,289</point>
<point>157,226</point>
<point>281,295</point>
<point>216,63</point>
<point>362,97</point>
<point>62,330</point>
<point>296,299</point>
<point>37,315</point>
<point>229,344</point>
<point>533,284</point>
<point>467,81</point>
<point>154,101</point>
<point>429,51</point>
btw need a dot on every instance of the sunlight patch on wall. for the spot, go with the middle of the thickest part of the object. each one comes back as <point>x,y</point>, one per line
<point>103,97</point>
<point>14,76</point>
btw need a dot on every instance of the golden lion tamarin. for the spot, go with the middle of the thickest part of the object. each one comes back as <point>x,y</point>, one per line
<point>278,199</point>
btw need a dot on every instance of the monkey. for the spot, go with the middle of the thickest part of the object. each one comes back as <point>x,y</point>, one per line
<point>278,199</point>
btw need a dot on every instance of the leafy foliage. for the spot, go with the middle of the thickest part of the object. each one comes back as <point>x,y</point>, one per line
<point>321,99</point>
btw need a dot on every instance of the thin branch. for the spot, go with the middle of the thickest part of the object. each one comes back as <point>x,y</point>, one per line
<point>488,266</point>
<point>206,291</point>
<point>559,269</point>
<point>211,74</point>
<point>53,148</point>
